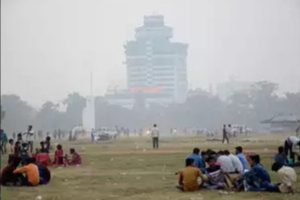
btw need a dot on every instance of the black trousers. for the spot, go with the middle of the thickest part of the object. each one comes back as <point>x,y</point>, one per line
<point>155,142</point>
<point>288,148</point>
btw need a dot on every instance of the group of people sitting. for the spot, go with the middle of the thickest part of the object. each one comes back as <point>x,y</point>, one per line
<point>30,173</point>
<point>30,169</point>
<point>21,149</point>
<point>237,172</point>
<point>61,159</point>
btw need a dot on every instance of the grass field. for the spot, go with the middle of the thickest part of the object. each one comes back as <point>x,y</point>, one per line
<point>129,169</point>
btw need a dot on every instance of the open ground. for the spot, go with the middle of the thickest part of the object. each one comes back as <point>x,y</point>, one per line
<point>128,168</point>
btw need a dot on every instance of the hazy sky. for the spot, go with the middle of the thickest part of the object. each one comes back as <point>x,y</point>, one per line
<point>49,47</point>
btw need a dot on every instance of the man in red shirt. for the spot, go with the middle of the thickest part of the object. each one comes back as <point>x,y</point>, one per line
<point>75,158</point>
<point>59,155</point>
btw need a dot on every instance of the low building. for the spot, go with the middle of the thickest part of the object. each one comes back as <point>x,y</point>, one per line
<point>283,123</point>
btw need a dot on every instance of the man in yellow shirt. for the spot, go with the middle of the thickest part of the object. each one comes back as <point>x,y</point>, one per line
<point>287,177</point>
<point>31,171</point>
<point>190,178</point>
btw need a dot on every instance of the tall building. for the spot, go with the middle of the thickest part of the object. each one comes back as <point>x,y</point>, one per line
<point>156,66</point>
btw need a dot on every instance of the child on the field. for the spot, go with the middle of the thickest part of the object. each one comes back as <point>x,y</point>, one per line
<point>59,155</point>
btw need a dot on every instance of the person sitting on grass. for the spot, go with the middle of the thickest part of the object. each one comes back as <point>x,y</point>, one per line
<point>45,174</point>
<point>242,157</point>
<point>258,178</point>
<point>41,157</point>
<point>281,157</point>
<point>24,153</point>
<point>75,158</point>
<point>232,177</point>
<point>43,149</point>
<point>59,155</point>
<point>197,159</point>
<point>7,177</point>
<point>188,177</point>
<point>287,177</point>
<point>216,179</point>
<point>225,162</point>
<point>31,171</point>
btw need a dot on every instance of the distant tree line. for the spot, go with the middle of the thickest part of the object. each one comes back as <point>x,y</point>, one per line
<point>201,110</point>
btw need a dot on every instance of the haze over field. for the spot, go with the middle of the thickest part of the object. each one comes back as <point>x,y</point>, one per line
<point>49,47</point>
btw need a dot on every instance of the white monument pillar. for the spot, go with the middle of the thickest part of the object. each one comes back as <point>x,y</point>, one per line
<point>88,114</point>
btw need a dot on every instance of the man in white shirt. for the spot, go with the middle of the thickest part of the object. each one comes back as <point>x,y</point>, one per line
<point>227,168</point>
<point>290,144</point>
<point>234,176</point>
<point>29,137</point>
<point>155,136</point>
<point>237,164</point>
<point>225,163</point>
<point>229,130</point>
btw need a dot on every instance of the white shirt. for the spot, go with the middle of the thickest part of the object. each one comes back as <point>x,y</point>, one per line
<point>155,132</point>
<point>228,130</point>
<point>226,163</point>
<point>29,135</point>
<point>287,177</point>
<point>293,140</point>
<point>237,164</point>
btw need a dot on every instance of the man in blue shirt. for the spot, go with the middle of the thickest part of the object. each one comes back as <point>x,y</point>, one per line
<point>258,178</point>
<point>280,157</point>
<point>242,157</point>
<point>198,161</point>
<point>3,141</point>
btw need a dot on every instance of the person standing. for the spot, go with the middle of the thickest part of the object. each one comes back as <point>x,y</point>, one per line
<point>4,140</point>
<point>297,130</point>
<point>225,135</point>
<point>155,136</point>
<point>93,135</point>
<point>14,135</point>
<point>29,137</point>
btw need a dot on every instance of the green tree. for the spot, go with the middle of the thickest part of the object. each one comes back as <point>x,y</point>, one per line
<point>75,105</point>
<point>49,118</point>
<point>18,114</point>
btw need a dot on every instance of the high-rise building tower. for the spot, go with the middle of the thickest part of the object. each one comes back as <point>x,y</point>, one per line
<point>156,66</point>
